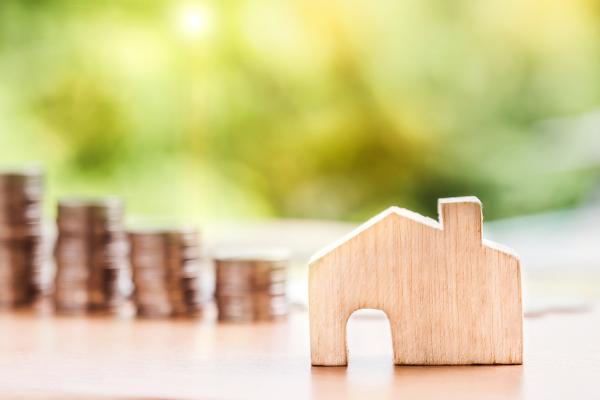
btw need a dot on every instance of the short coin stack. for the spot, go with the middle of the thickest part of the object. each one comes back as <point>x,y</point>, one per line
<point>167,272</point>
<point>91,256</point>
<point>251,287</point>
<point>24,274</point>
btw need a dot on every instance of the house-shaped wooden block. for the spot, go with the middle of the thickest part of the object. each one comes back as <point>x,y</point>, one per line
<point>451,297</point>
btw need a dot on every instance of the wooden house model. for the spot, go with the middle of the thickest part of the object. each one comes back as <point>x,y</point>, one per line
<point>451,297</point>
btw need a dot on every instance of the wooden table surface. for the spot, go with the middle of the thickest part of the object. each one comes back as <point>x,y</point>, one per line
<point>98,357</point>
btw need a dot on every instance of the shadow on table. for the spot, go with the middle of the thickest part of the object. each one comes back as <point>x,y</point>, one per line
<point>377,377</point>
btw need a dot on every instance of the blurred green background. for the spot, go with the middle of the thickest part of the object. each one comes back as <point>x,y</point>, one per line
<point>299,108</point>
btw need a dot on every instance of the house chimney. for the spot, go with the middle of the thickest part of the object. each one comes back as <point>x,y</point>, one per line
<point>461,218</point>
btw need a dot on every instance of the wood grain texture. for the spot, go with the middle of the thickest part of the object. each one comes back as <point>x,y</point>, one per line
<point>107,358</point>
<point>451,297</point>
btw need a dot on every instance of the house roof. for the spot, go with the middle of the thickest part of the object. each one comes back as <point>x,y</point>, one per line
<point>403,212</point>
<point>411,215</point>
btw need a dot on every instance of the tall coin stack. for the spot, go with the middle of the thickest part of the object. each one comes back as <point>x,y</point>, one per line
<point>24,274</point>
<point>167,272</point>
<point>91,256</point>
<point>251,287</point>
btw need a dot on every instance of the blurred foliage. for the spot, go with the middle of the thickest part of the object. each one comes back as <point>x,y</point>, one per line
<point>297,108</point>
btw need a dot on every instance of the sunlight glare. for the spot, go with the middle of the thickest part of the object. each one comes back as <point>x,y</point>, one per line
<point>194,21</point>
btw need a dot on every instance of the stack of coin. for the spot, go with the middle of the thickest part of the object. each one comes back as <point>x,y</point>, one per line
<point>166,270</point>
<point>185,272</point>
<point>91,256</point>
<point>251,287</point>
<point>23,270</point>
<point>148,263</point>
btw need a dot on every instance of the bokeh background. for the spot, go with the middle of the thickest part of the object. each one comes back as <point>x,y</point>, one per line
<point>304,108</point>
<point>295,111</point>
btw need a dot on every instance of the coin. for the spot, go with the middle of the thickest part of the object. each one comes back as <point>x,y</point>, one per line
<point>149,273</point>
<point>251,286</point>
<point>91,252</point>
<point>23,265</point>
<point>167,272</point>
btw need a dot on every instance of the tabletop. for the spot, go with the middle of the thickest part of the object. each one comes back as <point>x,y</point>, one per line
<point>100,357</point>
